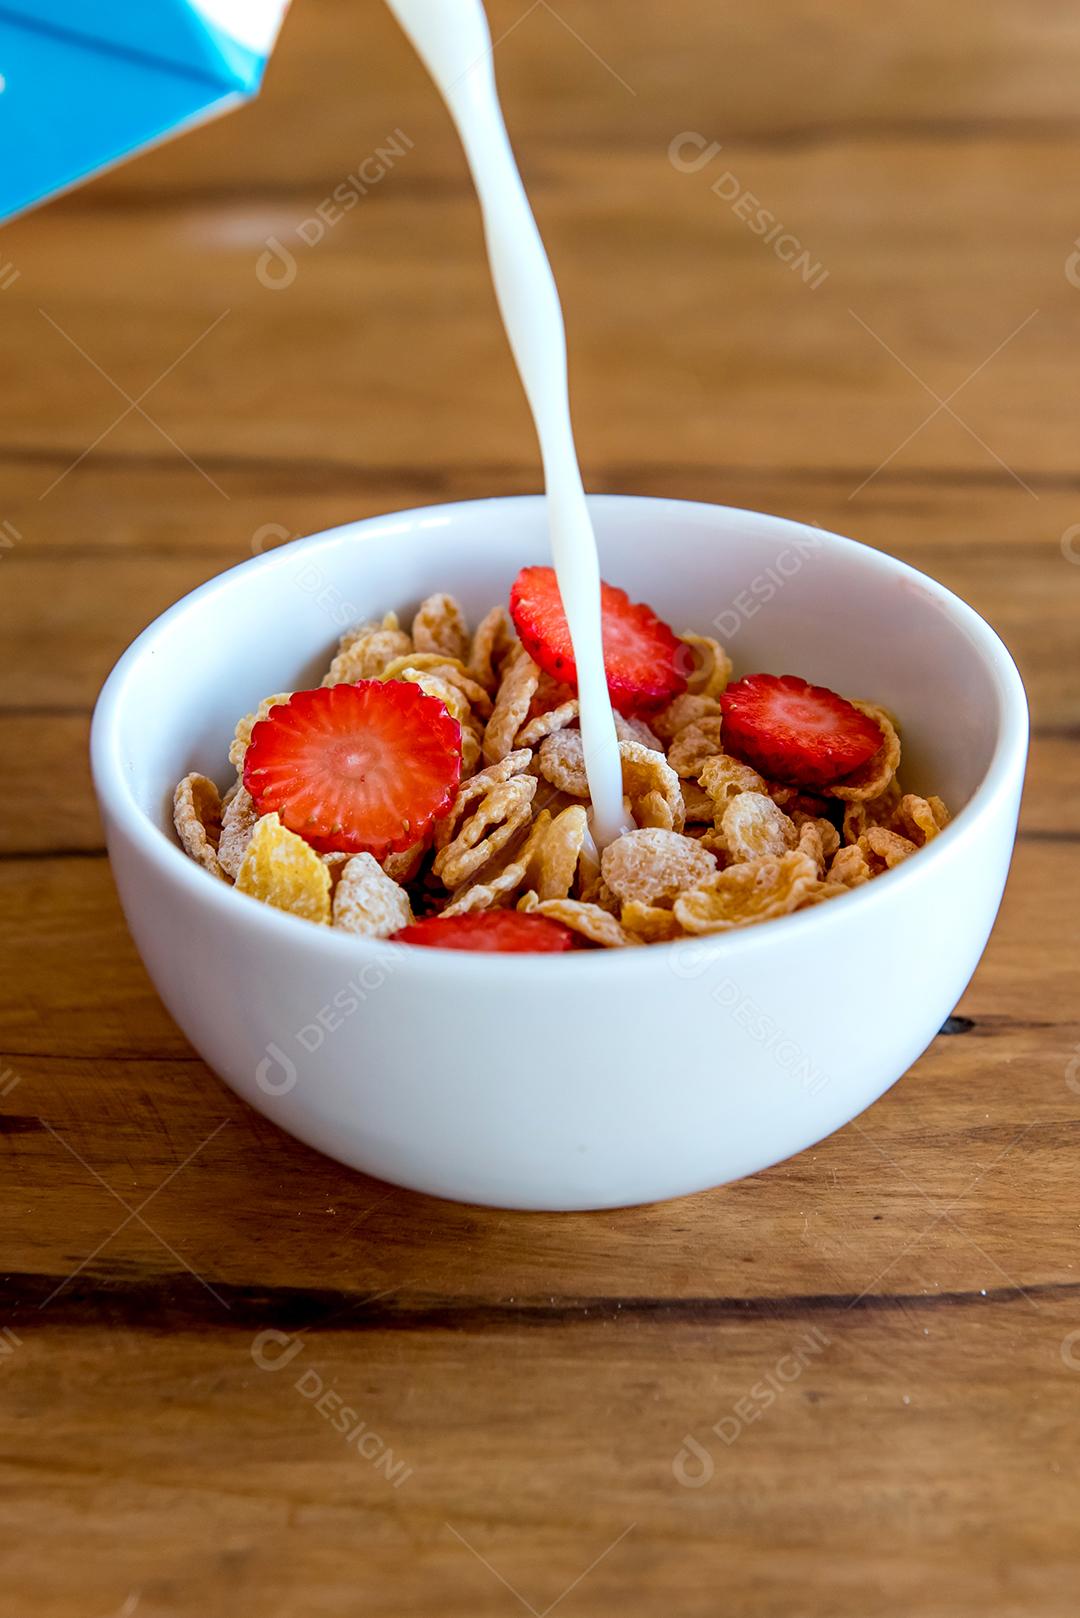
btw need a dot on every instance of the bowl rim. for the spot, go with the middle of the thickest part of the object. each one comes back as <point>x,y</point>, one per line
<point>175,866</point>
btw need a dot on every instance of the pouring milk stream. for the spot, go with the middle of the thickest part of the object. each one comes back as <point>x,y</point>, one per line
<point>453,41</point>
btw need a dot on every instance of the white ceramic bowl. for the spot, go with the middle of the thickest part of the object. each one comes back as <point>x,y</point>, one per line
<point>587,1080</point>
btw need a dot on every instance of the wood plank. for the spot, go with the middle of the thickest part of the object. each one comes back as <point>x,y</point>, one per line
<point>872,1464</point>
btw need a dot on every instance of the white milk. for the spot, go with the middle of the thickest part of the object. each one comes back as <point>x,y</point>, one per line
<point>454,43</point>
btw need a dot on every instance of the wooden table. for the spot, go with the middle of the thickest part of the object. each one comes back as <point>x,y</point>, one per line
<point>847,1386</point>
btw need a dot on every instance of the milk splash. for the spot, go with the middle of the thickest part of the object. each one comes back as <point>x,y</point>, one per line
<point>454,43</point>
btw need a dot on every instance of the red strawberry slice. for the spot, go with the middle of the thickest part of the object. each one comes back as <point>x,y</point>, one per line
<point>506,931</point>
<point>362,768</point>
<point>795,732</point>
<point>643,658</point>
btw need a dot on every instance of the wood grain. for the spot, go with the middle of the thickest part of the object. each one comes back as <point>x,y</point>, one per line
<point>846,1385</point>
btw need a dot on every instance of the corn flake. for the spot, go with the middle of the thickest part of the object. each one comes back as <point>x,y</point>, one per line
<point>197,818</point>
<point>649,924</point>
<point>472,790</point>
<point>589,920</point>
<point>654,867</point>
<point>694,746</point>
<point>887,846</point>
<point>501,813</point>
<point>724,778</point>
<point>757,890</point>
<point>366,901</point>
<point>920,819</point>
<point>237,828</point>
<point>682,711</point>
<point>242,739</point>
<point>878,773</point>
<point>711,668</point>
<point>493,640</point>
<point>752,825</point>
<point>517,686</point>
<point>363,653</point>
<point>849,868</point>
<point>439,626</point>
<point>546,724</point>
<point>282,870</point>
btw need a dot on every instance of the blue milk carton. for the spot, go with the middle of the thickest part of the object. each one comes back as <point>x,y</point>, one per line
<point>85,83</point>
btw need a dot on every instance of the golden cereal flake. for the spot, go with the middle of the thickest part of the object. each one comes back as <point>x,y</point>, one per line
<point>546,724</point>
<point>888,846</point>
<point>404,867</point>
<point>561,761</point>
<point>496,887</point>
<point>197,818</point>
<point>439,626</point>
<point>683,711</point>
<point>553,864</point>
<point>494,639</point>
<point>818,838</point>
<point>595,891</point>
<point>517,687</point>
<point>501,813</point>
<point>757,890</point>
<point>242,739</point>
<point>654,867</point>
<point>848,868</point>
<point>697,803</point>
<point>920,819</point>
<point>694,746</point>
<point>452,697</point>
<point>368,902</point>
<point>709,665</point>
<point>724,778</point>
<point>280,869</point>
<point>879,811</point>
<point>752,825</point>
<point>653,811</point>
<point>588,920</point>
<point>363,653</point>
<point>629,729</point>
<point>650,924</point>
<point>472,790</point>
<point>877,774</point>
<point>237,827</point>
<point>444,668</point>
<point>645,771</point>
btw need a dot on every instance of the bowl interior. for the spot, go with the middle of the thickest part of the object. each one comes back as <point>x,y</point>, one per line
<point>780,596</point>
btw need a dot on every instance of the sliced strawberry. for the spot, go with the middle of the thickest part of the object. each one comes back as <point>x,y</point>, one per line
<point>362,768</point>
<point>801,734</point>
<point>506,931</point>
<point>643,658</point>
